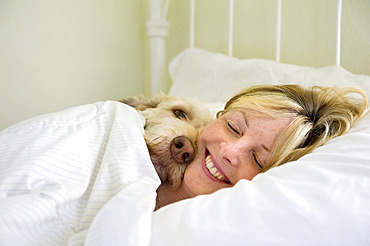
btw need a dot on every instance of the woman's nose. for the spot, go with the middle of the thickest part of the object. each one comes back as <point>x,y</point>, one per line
<point>231,152</point>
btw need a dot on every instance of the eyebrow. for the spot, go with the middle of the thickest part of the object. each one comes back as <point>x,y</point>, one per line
<point>263,146</point>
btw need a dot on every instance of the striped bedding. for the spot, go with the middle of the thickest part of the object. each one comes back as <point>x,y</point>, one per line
<point>59,171</point>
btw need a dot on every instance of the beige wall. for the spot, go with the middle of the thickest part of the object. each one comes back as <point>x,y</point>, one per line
<point>58,54</point>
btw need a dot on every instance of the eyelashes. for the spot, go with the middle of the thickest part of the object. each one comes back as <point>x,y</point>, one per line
<point>256,161</point>
<point>233,128</point>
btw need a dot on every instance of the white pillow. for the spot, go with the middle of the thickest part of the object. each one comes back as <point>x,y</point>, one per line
<point>213,77</point>
<point>321,199</point>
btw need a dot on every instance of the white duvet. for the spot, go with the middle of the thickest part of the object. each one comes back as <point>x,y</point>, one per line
<point>83,176</point>
<point>59,173</point>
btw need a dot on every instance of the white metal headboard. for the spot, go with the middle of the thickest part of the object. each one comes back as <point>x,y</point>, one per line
<point>158,30</point>
<point>157,27</point>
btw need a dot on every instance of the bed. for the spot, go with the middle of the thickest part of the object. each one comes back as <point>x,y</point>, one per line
<point>83,176</point>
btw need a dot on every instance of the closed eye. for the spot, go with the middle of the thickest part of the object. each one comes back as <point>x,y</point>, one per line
<point>256,161</point>
<point>180,114</point>
<point>233,128</point>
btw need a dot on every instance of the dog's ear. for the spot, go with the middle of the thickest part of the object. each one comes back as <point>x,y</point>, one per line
<point>141,103</point>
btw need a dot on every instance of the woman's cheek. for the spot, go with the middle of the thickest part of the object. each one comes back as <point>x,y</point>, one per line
<point>210,131</point>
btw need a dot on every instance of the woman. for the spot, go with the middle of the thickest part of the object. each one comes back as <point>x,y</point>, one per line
<point>262,127</point>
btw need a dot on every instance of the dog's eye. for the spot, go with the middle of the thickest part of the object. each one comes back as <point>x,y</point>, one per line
<point>180,114</point>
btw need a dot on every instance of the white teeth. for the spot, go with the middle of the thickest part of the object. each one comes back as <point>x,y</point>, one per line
<point>212,169</point>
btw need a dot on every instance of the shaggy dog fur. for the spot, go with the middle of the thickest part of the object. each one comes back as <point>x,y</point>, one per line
<point>171,131</point>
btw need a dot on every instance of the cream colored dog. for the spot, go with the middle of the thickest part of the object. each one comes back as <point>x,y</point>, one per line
<point>171,131</point>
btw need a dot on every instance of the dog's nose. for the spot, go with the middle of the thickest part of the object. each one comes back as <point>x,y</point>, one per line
<point>182,149</point>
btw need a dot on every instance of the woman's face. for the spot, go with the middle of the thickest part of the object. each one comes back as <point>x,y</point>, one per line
<point>235,146</point>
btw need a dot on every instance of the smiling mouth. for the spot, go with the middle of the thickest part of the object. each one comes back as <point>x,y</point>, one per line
<point>214,171</point>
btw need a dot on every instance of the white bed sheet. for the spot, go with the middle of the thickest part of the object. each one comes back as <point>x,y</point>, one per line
<point>58,171</point>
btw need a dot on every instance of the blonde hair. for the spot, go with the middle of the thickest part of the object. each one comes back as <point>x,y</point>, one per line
<point>318,114</point>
